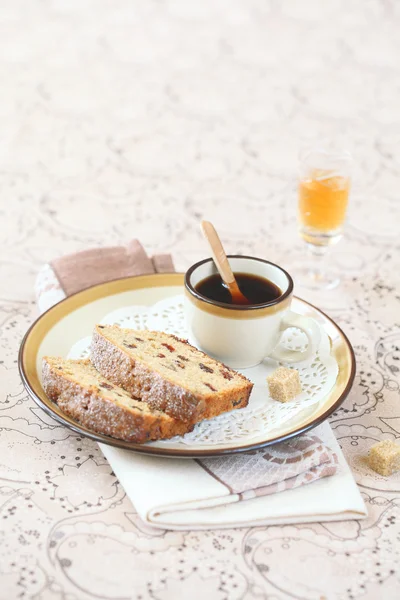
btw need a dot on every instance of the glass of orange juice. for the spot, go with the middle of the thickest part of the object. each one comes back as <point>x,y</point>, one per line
<point>324,185</point>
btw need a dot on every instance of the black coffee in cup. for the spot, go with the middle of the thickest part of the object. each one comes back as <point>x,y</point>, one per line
<point>258,290</point>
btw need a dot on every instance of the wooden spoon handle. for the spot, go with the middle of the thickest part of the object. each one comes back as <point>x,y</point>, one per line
<point>218,253</point>
<point>222,263</point>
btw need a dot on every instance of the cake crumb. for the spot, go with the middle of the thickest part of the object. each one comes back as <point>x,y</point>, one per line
<point>384,457</point>
<point>284,384</point>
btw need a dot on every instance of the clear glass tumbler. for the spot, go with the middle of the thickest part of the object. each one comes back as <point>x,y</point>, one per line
<point>324,185</point>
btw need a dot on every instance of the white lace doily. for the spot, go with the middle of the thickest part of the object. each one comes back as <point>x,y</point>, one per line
<point>263,414</point>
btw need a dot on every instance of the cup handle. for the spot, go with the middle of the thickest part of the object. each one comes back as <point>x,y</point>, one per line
<point>308,326</point>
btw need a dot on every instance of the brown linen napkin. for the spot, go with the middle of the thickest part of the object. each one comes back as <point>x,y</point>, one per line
<point>98,265</point>
<point>284,466</point>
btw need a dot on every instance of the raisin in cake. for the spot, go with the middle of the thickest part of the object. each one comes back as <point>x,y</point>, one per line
<point>86,396</point>
<point>168,373</point>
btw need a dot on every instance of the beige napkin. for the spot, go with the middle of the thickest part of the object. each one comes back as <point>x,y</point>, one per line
<point>192,492</point>
<point>186,494</point>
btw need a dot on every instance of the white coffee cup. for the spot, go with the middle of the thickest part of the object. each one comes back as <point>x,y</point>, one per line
<point>242,336</point>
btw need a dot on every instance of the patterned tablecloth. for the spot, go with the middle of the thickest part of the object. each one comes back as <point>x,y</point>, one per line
<point>135,119</point>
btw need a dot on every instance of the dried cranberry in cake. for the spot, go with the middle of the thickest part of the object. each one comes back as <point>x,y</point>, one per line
<point>211,387</point>
<point>205,368</point>
<point>169,347</point>
<point>226,374</point>
<point>189,385</point>
<point>106,386</point>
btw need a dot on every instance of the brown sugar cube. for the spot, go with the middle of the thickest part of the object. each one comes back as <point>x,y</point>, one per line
<point>284,384</point>
<point>384,457</point>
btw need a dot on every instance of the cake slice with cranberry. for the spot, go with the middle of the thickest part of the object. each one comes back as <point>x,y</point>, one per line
<point>86,396</point>
<point>168,373</point>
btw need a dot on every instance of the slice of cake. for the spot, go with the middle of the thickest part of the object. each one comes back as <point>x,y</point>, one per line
<point>168,373</point>
<point>86,396</point>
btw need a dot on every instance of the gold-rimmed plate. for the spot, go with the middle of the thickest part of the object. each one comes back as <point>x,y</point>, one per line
<point>58,329</point>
